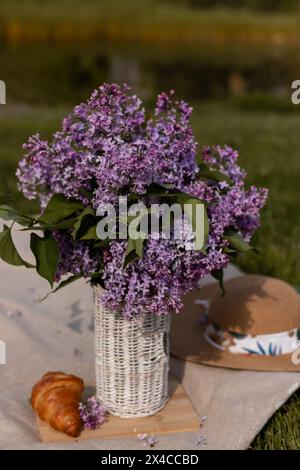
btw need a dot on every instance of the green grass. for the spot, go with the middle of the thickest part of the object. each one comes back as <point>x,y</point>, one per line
<point>268,142</point>
<point>146,20</point>
<point>283,430</point>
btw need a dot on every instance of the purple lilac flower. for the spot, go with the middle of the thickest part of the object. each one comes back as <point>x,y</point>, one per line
<point>34,170</point>
<point>92,413</point>
<point>75,258</point>
<point>108,147</point>
<point>147,439</point>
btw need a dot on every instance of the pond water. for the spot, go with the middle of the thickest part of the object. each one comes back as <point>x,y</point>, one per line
<point>52,74</point>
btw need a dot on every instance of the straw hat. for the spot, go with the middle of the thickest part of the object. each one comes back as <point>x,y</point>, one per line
<point>254,326</point>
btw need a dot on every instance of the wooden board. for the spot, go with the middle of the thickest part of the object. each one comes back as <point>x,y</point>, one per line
<point>177,416</point>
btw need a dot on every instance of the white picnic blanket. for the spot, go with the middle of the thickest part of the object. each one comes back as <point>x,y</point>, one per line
<point>58,335</point>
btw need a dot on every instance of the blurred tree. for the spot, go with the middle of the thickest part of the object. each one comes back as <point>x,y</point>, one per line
<point>262,5</point>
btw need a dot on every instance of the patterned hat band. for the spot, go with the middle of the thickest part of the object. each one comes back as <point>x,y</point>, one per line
<point>274,344</point>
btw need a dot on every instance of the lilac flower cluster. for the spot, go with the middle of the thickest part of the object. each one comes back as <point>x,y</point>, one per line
<point>107,145</point>
<point>108,148</point>
<point>77,257</point>
<point>92,413</point>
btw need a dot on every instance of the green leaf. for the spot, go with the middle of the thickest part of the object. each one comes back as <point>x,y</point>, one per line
<point>218,274</point>
<point>85,225</point>
<point>8,251</point>
<point>59,208</point>
<point>64,224</point>
<point>229,251</point>
<point>64,283</point>
<point>237,242</point>
<point>3,186</point>
<point>134,251</point>
<point>46,253</point>
<point>5,195</point>
<point>155,190</point>
<point>10,213</point>
<point>86,193</point>
<point>6,199</point>
<point>203,166</point>
<point>102,243</point>
<point>139,247</point>
<point>96,274</point>
<point>160,190</point>
<point>211,174</point>
<point>90,234</point>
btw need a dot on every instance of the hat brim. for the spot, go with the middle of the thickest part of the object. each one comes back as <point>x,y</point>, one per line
<point>188,342</point>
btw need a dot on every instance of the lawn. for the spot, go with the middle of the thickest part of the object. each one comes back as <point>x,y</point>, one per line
<point>268,142</point>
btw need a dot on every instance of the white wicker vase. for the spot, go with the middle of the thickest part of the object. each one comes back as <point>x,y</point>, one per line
<point>132,361</point>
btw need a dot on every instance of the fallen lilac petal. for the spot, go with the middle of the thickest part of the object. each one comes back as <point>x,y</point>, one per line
<point>201,440</point>
<point>152,441</point>
<point>92,413</point>
<point>147,439</point>
<point>13,313</point>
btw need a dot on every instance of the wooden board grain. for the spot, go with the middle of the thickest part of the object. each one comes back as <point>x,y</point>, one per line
<point>177,416</point>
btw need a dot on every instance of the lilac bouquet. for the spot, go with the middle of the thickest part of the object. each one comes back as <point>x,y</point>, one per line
<point>108,148</point>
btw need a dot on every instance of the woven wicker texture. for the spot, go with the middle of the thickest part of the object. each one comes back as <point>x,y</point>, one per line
<point>132,361</point>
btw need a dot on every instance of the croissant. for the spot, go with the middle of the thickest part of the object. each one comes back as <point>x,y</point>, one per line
<point>55,399</point>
